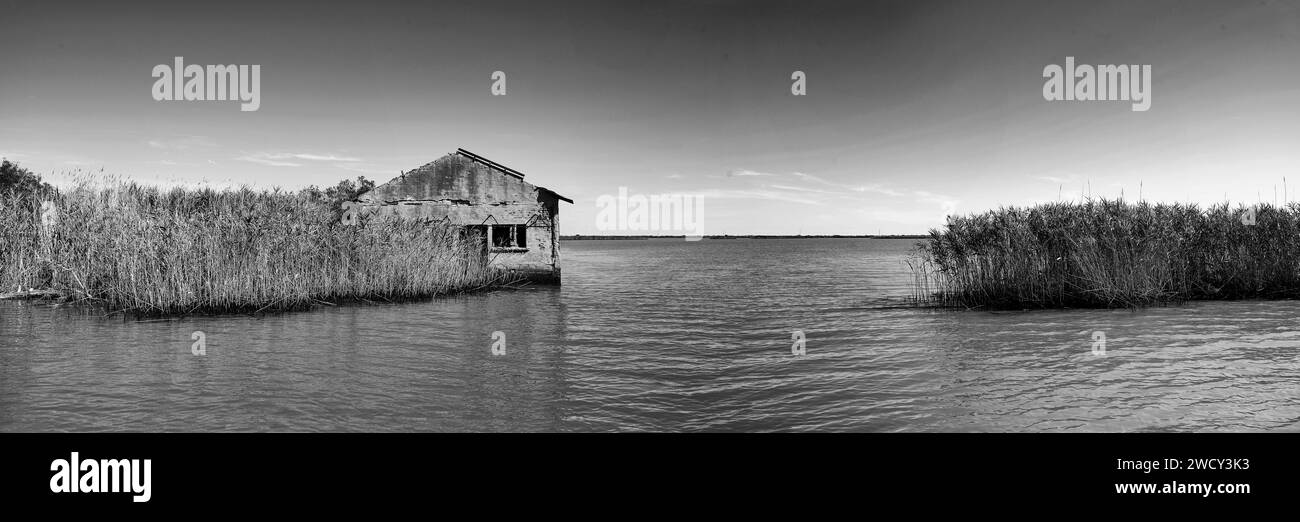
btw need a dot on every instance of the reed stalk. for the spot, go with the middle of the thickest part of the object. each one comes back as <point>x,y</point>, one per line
<point>1109,254</point>
<point>144,249</point>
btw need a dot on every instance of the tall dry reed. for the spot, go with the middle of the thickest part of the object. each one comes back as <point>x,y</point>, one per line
<point>1103,253</point>
<point>173,251</point>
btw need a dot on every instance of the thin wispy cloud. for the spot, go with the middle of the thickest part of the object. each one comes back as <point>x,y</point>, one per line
<point>746,173</point>
<point>293,159</point>
<point>873,188</point>
<point>314,157</point>
<point>946,204</point>
<point>367,169</point>
<point>1058,179</point>
<point>261,160</point>
<point>182,143</point>
<point>809,177</point>
<point>170,163</point>
<point>801,187</point>
<point>877,189</point>
<point>759,194</point>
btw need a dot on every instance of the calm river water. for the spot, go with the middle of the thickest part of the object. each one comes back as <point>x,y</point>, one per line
<point>663,335</point>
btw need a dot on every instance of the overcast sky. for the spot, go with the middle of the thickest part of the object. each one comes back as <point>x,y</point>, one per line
<point>913,108</point>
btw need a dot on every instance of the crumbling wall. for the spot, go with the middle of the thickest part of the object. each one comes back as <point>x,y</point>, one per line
<point>463,192</point>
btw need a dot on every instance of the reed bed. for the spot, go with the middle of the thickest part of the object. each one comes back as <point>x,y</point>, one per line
<point>1109,254</point>
<point>148,250</point>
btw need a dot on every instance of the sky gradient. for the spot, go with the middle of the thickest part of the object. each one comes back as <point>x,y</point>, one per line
<point>914,109</point>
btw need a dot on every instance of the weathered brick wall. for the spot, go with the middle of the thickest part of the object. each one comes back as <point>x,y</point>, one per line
<point>542,241</point>
<point>540,255</point>
<point>467,214</point>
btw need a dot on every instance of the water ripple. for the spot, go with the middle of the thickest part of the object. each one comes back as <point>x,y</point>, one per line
<point>664,336</point>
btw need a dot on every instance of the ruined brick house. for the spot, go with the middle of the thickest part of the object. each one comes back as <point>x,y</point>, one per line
<point>518,220</point>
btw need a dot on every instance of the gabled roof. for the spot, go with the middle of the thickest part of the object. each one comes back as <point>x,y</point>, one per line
<point>506,170</point>
<point>490,163</point>
<point>419,183</point>
<point>556,194</point>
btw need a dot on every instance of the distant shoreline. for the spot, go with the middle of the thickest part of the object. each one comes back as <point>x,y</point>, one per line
<point>580,237</point>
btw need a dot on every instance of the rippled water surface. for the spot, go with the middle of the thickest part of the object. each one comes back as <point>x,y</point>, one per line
<point>664,335</point>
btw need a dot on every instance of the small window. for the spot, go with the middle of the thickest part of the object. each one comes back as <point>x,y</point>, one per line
<point>509,237</point>
<point>476,233</point>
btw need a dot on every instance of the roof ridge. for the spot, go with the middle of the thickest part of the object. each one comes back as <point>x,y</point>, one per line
<point>490,163</point>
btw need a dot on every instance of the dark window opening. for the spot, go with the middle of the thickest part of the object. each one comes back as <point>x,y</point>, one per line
<point>509,237</point>
<point>478,233</point>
